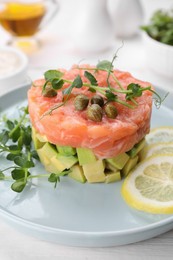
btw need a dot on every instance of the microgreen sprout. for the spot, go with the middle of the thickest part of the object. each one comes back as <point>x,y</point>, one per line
<point>16,146</point>
<point>109,93</point>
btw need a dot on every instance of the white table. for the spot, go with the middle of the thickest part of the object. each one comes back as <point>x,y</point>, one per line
<point>57,53</point>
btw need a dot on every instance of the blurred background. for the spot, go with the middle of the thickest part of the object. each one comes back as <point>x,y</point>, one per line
<point>90,30</point>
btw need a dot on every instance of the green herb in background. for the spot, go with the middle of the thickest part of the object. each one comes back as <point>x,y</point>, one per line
<point>160,27</point>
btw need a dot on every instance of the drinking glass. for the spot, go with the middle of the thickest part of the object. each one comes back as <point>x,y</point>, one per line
<point>24,18</point>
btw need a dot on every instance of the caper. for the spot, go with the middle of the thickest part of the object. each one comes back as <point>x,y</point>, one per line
<point>110,111</point>
<point>95,113</point>
<point>96,99</point>
<point>81,102</point>
<point>49,91</point>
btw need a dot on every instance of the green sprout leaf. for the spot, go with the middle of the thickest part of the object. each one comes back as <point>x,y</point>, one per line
<point>77,83</point>
<point>11,156</point>
<point>4,137</point>
<point>57,83</point>
<point>19,185</point>
<point>10,124</point>
<point>54,178</point>
<point>53,74</point>
<point>136,91</point>
<point>91,89</point>
<point>23,161</point>
<point>34,155</point>
<point>16,134</point>
<point>2,176</point>
<point>18,173</point>
<point>111,96</point>
<point>67,91</point>
<point>91,78</point>
<point>54,78</point>
<point>104,65</point>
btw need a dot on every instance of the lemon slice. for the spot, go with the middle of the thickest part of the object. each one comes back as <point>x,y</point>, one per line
<point>159,148</point>
<point>160,134</point>
<point>149,187</point>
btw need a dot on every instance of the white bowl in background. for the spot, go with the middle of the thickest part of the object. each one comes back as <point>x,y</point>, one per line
<point>13,67</point>
<point>159,56</point>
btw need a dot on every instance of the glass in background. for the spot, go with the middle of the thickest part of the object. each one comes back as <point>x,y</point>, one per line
<point>23,19</point>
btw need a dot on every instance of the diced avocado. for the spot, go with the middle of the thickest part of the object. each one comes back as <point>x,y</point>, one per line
<point>77,173</point>
<point>44,159</point>
<point>55,161</point>
<point>66,150</point>
<point>129,166</point>
<point>37,143</point>
<point>119,161</point>
<point>85,156</point>
<point>94,171</point>
<point>57,164</point>
<point>49,150</point>
<point>113,177</point>
<point>142,153</point>
<point>53,168</point>
<point>61,162</point>
<point>137,148</point>
<point>67,161</point>
<point>41,138</point>
<point>110,167</point>
<point>48,156</point>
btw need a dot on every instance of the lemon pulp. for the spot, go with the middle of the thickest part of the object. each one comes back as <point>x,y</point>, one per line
<point>149,187</point>
<point>160,134</point>
<point>159,148</point>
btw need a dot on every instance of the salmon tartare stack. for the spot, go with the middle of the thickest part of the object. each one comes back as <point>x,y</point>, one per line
<point>90,121</point>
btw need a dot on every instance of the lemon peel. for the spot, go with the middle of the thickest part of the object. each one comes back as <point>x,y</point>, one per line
<point>159,148</point>
<point>149,187</point>
<point>160,134</point>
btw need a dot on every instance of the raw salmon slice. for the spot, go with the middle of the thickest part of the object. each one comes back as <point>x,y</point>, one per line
<point>66,126</point>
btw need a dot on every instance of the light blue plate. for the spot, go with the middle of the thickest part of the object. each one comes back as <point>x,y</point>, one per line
<point>76,214</point>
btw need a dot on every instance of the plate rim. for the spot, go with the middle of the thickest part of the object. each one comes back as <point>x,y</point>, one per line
<point>136,230</point>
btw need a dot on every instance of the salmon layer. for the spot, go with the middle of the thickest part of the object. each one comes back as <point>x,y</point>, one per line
<point>69,127</point>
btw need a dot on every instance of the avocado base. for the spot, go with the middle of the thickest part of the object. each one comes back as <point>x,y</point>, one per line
<point>82,162</point>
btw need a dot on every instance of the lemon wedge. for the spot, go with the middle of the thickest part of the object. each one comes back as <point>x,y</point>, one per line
<point>159,148</point>
<point>160,134</point>
<point>149,187</point>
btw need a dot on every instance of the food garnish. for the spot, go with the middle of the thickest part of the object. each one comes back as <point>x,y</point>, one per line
<point>16,143</point>
<point>160,134</point>
<point>110,110</point>
<point>49,91</point>
<point>158,148</point>
<point>81,102</point>
<point>97,99</point>
<point>55,79</point>
<point>149,187</point>
<point>95,113</point>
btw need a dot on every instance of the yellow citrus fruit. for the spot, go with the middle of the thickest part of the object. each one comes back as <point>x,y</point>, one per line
<point>149,187</point>
<point>160,134</point>
<point>159,148</point>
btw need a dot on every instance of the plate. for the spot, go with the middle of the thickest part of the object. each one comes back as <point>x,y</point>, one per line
<point>92,215</point>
